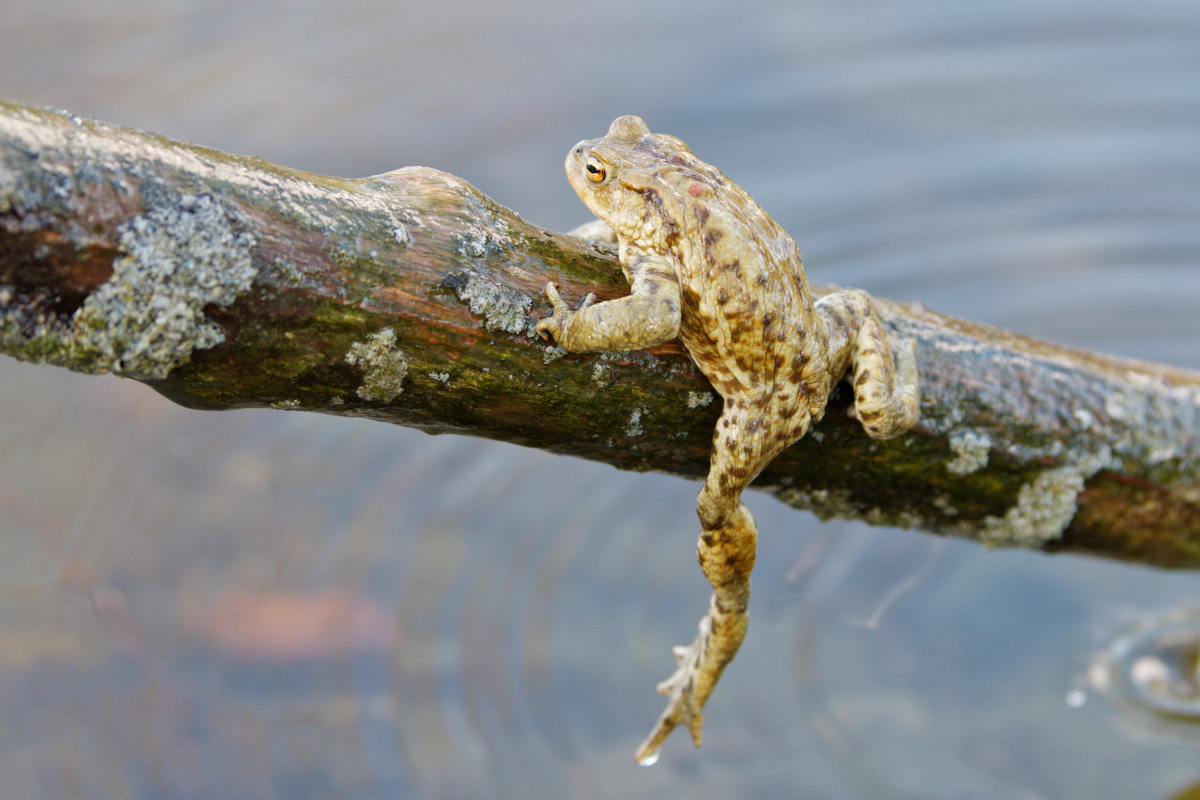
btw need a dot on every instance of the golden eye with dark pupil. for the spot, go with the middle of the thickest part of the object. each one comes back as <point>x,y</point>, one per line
<point>595,172</point>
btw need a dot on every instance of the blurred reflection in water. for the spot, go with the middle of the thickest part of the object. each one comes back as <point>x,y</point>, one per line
<point>270,604</point>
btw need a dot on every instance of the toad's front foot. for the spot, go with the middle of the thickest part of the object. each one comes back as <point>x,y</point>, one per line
<point>700,666</point>
<point>556,327</point>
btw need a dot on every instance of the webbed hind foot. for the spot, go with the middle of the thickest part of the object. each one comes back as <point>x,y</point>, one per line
<point>700,666</point>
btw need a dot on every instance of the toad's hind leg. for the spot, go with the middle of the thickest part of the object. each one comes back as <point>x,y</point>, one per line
<point>728,537</point>
<point>886,395</point>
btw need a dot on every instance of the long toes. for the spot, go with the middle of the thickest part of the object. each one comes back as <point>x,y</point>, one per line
<point>556,300</point>
<point>547,328</point>
<point>695,724</point>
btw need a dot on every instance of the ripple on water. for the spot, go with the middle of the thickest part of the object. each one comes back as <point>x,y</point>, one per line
<point>1151,670</point>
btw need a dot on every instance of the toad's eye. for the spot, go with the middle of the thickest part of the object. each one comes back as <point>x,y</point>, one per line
<point>595,170</point>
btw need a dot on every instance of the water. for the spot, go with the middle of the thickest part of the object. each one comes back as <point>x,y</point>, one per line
<point>271,604</point>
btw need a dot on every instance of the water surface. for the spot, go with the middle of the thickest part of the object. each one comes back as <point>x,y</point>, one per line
<point>274,604</point>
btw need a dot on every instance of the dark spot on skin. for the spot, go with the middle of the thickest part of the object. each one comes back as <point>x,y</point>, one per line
<point>706,537</point>
<point>711,236</point>
<point>724,423</point>
<point>653,289</point>
<point>780,360</point>
<point>730,442</point>
<point>652,198</point>
<point>767,320</point>
<point>788,412</point>
<point>869,416</point>
<point>701,214</point>
<point>678,160</point>
<point>722,298</point>
<point>761,279</point>
<point>862,378</point>
<point>752,425</point>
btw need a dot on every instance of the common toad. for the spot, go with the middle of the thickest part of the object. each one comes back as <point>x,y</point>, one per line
<point>706,264</point>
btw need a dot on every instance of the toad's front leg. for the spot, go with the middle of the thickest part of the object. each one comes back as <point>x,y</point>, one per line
<point>650,315</point>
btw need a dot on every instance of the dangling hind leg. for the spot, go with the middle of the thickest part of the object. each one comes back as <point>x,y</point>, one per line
<point>728,538</point>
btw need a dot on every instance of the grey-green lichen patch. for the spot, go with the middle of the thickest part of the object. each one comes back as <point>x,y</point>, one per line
<point>8,187</point>
<point>602,375</point>
<point>825,503</point>
<point>473,243</point>
<point>642,358</point>
<point>502,308</point>
<point>830,504</point>
<point>441,377</point>
<point>943,503</point>
<point>284,405</point>
<point>634,428</point>
<point>287,272</point>
<point>699,399</point>
<point>384,367</point>
<point>1044,507</point>
<point>148,317</point>
<point>552,353</point>
<point>970,452</point>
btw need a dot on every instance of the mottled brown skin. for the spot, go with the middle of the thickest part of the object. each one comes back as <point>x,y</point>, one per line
<point>706,264</point>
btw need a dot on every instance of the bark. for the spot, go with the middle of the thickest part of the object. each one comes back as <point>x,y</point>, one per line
<point>226,282</point>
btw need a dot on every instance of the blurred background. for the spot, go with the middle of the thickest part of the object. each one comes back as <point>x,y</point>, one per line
<point>270,604</point>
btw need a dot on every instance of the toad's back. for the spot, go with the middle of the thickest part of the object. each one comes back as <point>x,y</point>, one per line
<point>748,318</point>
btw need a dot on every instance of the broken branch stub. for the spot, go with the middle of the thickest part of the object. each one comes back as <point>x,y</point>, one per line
<point>227,282</point>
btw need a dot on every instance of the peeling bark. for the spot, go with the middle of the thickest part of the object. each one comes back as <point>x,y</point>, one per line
<point>229,282</point>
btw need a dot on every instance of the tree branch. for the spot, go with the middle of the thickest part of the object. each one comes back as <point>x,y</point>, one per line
<point>227,282</point>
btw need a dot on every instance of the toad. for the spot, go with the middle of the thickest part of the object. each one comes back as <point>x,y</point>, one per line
<point>706,264</point>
